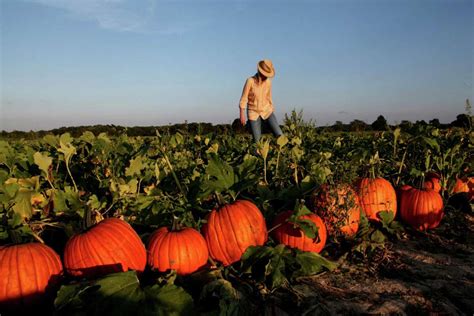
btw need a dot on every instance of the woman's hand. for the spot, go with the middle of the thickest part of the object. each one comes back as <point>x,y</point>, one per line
<point>242,117</point>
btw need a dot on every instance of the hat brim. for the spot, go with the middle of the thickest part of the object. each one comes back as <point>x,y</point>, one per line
<point>266,73</point>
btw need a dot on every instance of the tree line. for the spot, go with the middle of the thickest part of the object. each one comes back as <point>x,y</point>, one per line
<point>380,124</point>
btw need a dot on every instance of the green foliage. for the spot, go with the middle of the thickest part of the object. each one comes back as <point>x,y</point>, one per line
<point>121,294</point>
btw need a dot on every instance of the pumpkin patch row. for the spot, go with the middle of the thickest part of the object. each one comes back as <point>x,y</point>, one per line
<point>32,271</point>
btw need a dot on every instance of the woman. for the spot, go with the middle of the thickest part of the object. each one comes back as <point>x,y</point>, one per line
<point>257,99</point>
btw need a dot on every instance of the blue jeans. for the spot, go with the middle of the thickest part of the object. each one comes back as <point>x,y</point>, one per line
<point>256,127</point>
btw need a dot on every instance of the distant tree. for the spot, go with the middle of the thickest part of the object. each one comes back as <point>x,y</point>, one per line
<point>435,122</point>
<point>380,124</point>
<point>358,126</point>
<point>462,120</point>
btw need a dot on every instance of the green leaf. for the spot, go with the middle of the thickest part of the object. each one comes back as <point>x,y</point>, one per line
<point>254,260</point>
<point>312,263</point>
<point>136,166</point>
<point>276,266</point>
<point>231,301</point>
<point>22,205</point>
<point>378,237</point>
<point>115,294</point>
<point>121,294</point>
<point>282,140</point>
<point>219,176</point>
<point>386,217</point>
<point>43,161</point>
<point>169,300</point>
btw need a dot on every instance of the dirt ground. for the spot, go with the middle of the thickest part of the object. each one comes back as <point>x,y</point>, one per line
<point>422,273</point>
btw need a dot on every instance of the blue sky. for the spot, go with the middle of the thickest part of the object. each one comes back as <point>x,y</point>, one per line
<point>151,62</point>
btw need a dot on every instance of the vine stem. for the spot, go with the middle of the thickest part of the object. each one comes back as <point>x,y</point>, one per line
<point>174,175</point>
<point>401,166</point>
<point>274,227</point>
<point>70,175</point>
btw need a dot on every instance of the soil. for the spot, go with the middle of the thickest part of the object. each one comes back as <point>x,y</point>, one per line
<point>421,273</point>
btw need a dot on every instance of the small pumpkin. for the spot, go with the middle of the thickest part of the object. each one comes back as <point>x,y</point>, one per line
<point>432,182</point>
<point>339,208</point>
<point>422,209</point>
<point>29,273</point>
<point>232,228</point>
<point>294,237</point>
<point>184,250</point>
<point>376,195</point>
<point>107,247</point>
<point>465,184</point>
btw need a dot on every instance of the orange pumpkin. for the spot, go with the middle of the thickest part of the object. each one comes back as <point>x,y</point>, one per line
<point>294,237</point>
<point>432,182</point>
<point>184,250</point>
<point>339,207</point>
<point>28,274</point>
<point>422,209</point>
<point>376,195</point>
<point>231,229</point>
<point>110,246</point>
<point>464,185</point>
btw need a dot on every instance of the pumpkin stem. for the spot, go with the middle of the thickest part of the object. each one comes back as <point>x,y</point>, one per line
<point>220,199</point>
<point>176,224</point>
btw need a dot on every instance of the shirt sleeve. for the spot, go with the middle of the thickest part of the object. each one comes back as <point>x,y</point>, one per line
<point>270,101</point>
<point>245,94</point>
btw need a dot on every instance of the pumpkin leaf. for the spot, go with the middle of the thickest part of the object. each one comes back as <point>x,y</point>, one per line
<point>312,263</point>
<point>43,161</point>
<point>136,166</point>
<point>219,176</point>
<point>169,300</point>
<point>231,300</point>
<point>121,294</point>
<point>276,267</point>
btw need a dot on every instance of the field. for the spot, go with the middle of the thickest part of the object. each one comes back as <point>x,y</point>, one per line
<point>57,186</point>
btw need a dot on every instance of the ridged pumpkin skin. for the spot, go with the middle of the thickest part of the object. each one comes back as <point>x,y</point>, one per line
<point>422,209</point>
<point>338,207</point>
<point>184,251</point>
<point>110,246</point>
<point>376,195</point>
<point>294,237</point>
<point>28,273</point>
<point>231,229</point>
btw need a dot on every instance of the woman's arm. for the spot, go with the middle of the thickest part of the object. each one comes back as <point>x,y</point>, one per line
<point>244,100</point>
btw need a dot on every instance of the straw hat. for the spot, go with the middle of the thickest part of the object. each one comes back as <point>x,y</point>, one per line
<point>265,67</point>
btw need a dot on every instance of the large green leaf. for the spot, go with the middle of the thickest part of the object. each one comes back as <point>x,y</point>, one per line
<point>312,263</point>
<point>121,294</point>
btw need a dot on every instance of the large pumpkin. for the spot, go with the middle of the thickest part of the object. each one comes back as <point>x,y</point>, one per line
<point>184,250</point>
<point>339,207</point>
<point>231,229</point>
<point>110,246</point>
<point>294,237</point>
<point>376,195</point>
<point>422,209</point>
<point>29,273</point>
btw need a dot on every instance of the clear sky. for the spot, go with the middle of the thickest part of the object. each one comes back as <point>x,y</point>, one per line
<point>150,62</point>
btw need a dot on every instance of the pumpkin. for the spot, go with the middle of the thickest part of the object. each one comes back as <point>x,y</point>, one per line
<point>28,275</point>
<point>294,237</point>
<point>184,250</point>
<point>422,209</point>
<point>339,207</point>
<point>464,185</point>
<point>110,246</point>
<point>376,195</point>
<point>232,228</point>
<point>432,182</point>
